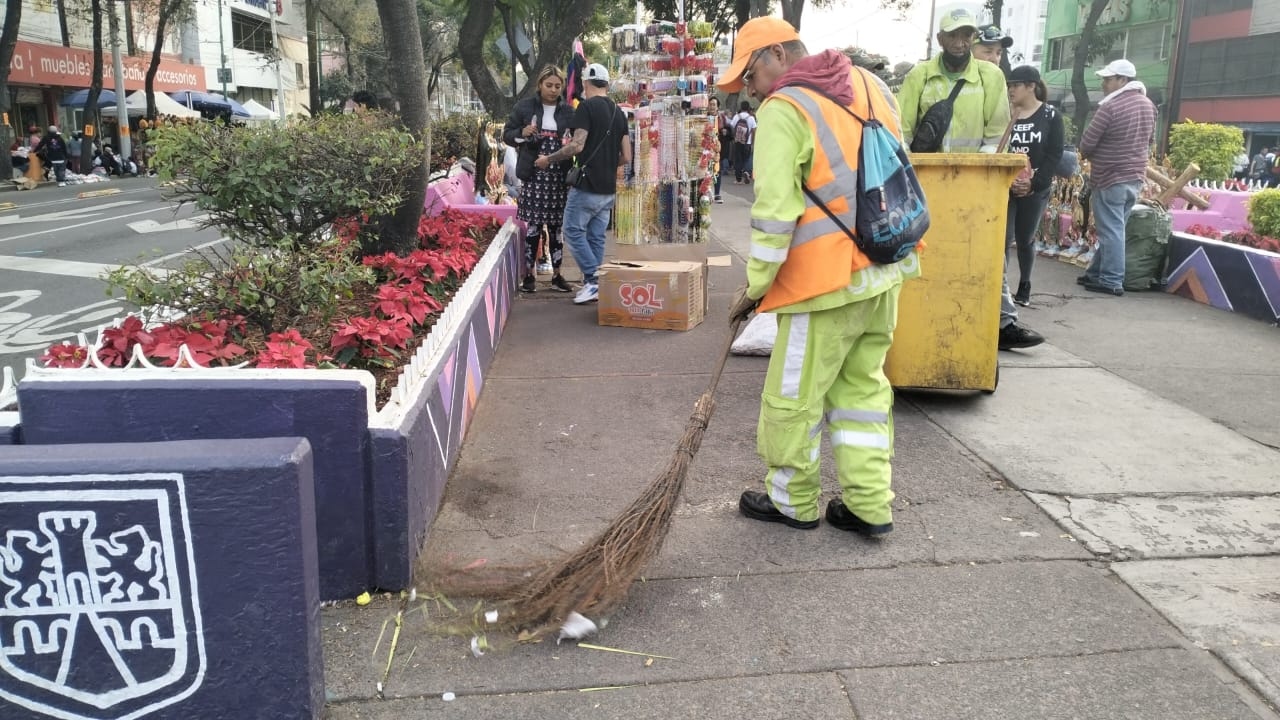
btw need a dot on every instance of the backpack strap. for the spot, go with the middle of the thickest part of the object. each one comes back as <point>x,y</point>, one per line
<point>809,193</point>
<point>839,223</point>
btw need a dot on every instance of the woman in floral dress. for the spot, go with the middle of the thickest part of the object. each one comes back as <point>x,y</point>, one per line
<point>539,125</point>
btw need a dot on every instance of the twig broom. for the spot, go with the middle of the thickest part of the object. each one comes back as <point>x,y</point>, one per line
<point>595,579</point>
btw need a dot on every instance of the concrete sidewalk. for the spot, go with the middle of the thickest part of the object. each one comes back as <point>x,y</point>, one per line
<point>1095,540</point>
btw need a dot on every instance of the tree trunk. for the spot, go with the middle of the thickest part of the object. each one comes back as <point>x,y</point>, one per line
<point>1080,91</point>
<point>508,25</point>
<point>62,23</point>
<point>346,54</point>
<point>399,18</point>
<point>554,48</point>
<point>95,89</point>
<point>150,86</point>
<point>475,25</point>
<point>8,43</point>
<point>997,11</point>
<point>131,45</point>
<point>313,55</point>
<point>791,12</point>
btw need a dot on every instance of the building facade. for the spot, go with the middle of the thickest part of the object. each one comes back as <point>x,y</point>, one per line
<point>1141,31</point>
<point>1024,21</point>
<point>249,38</point>
<point>1229,67</point>
<point>44,70</point>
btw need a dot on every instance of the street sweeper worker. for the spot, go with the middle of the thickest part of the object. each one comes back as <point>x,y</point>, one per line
<point>836,310</point>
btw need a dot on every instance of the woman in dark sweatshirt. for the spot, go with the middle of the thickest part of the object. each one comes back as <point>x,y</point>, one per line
<point>1037,133</point>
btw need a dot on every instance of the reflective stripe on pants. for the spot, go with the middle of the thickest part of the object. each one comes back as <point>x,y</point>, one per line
<point>830,365</point>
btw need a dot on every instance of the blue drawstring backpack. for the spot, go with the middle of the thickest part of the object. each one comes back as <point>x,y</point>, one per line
<point>891,213</point>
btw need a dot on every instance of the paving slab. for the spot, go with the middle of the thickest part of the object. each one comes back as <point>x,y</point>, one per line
<point>1045,355</point>
<point>1228,605</point>
<point>1144,685</point>
<point>1174,525</point>
<point>816,696</point>
<point>529,485</point>
<point>1083,431</point>
<point>760,624</point>
<point>1219,364</point>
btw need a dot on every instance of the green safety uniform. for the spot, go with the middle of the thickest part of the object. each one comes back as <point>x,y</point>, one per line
<point>827,365</point>
<point>981,112</point>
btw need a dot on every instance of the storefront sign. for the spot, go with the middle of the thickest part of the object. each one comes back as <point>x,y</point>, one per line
<point>40,64</point>
<point>275,6</point>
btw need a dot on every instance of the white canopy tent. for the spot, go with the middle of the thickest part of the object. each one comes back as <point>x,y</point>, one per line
<point>136,104</point>
<point>258,111</point>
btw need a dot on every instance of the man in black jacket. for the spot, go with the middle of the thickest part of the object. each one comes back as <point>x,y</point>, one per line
<point>54,150</point>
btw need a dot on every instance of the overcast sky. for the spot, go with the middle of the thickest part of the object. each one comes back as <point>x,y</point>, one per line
<point>861,22</point>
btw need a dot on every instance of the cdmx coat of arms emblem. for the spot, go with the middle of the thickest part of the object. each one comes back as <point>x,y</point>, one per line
<point>99,613</point>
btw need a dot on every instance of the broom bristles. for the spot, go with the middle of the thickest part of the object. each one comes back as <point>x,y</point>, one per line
<point>596,578</point>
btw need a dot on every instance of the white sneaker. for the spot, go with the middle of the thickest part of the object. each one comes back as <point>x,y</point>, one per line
<point>62,184</point>
<point>590,292</point>
<point>544,268</point>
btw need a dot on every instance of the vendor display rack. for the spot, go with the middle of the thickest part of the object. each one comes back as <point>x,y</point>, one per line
<point>663,78</point>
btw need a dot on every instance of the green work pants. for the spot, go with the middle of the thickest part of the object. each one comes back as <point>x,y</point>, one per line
<point>827,367</point>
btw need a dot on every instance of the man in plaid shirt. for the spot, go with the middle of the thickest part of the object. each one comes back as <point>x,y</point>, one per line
<point>1117,144</point>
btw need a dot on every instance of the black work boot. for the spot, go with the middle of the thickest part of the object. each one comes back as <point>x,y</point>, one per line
<point>841,517</point>
<point>757,506</point>
<point>1013,336</point>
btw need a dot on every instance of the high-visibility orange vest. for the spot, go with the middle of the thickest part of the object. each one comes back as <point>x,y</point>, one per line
<point>822,257</point>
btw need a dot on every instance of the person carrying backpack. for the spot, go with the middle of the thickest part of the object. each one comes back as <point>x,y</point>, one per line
<point>836,308</point>
<point>744,133</point>
<point>54,149</point>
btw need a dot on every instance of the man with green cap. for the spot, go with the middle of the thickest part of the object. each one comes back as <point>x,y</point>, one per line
<point>978,122</point>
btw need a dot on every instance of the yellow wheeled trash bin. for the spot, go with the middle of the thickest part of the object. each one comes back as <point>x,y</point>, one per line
<point>949,317</point>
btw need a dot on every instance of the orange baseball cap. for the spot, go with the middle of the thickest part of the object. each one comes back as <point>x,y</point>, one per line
<point>758,33</point>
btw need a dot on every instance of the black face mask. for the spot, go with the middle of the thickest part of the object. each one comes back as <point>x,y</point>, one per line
<point>955,63</point>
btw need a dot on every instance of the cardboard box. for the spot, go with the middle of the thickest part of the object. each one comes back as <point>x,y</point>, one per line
<point>654,295</point>
<point>667,252</point>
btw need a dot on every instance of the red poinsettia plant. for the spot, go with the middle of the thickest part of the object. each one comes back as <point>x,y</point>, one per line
<point>401,305</point>
<point>1246,238</point>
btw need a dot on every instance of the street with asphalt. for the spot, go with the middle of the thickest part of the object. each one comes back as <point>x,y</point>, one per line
<point>1096,539</point>
<point>55,244</point>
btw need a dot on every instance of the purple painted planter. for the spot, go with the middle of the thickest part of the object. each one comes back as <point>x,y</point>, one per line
<point>379,473</point>
<point>1226,276</point>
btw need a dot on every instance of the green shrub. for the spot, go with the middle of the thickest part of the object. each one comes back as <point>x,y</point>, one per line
<point>272,184</point>
<point>452,137</point>
<point>1264,212</point>
<point>1212,147</point>
<point>271,288</point>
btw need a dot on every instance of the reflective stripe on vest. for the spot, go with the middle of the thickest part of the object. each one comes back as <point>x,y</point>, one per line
<point>821,258</point>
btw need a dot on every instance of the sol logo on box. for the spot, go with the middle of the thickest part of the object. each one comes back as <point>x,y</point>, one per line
<point>640,299</point>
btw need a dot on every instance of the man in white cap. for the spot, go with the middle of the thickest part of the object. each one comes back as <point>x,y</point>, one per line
<point>600,137</point>
<point>1117,144</point>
